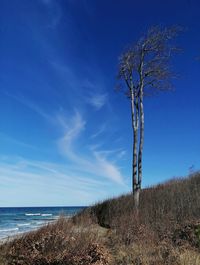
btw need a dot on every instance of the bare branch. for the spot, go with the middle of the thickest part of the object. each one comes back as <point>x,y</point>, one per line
<point>153,52</point>
<point>145,69</point>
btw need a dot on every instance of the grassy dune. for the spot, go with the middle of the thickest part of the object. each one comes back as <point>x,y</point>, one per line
<point>165,232</point>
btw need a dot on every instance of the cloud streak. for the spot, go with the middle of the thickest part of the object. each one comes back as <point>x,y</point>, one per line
<point>92,162</point>
<point>95,161</point>
<point>12,140</point>
<point>28,176</point>
<point>97,100</point>
<point>31,105</point>
<point>99,132</point>
<point>55,13</point>
<point>72,130</point>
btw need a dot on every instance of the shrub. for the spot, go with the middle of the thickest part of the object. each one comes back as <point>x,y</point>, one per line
<point>162,209</point>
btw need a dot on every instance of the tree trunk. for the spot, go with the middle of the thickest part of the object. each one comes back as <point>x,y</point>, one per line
<point>141,107</point>
<point>135,141</point>
<point>141,141</point>
<point>135,123</point>
<point>136,199</point>
<point>134,172</point>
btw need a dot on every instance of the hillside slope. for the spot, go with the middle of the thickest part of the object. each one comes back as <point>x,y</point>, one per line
<point>166,231</point>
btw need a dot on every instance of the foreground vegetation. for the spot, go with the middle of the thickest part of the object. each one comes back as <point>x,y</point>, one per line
<point>166,231</point>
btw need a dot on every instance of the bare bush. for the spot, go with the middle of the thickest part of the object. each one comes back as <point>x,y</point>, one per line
<point>56,244</point>
<point>162,208</point>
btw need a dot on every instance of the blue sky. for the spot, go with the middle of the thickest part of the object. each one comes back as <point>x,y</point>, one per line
<point>65,134</point>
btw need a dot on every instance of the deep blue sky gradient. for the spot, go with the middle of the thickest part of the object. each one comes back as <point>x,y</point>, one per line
<point>65,134</point>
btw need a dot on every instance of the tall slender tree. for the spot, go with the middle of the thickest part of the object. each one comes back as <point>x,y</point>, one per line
<point>144,68</point>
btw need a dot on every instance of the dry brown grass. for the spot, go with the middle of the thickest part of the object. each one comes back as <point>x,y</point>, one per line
<point>162,209</point>
<point>145,254</point>
<point>190,257</point>
<point>56,244</point>
<point>168,223</point>
<point>166,232</point>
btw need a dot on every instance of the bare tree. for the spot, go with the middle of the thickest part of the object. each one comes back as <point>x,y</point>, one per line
<point>145,69</point>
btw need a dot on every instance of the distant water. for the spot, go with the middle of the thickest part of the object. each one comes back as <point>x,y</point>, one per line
<point>14,220</point>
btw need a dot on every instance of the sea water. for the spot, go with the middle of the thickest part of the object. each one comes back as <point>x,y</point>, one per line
<point>14,221</point>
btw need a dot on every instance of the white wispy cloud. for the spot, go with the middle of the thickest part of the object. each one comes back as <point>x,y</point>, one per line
<point>19,174</point>
<point>121,153</point>
<point>116,153</point>
<point>86,91</point>
<point>71,80</point>
<point>31,105</point>
<point>92,162</point>
<point>56,13</point>
<point>72,128</point>
<point>97,100</point>
<point>109,169</point>
<point>15,141</point>
<point>99,132</point>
